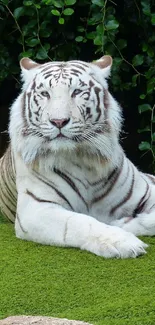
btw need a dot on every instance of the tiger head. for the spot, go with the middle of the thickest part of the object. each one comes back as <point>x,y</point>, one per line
<point>65,106</point>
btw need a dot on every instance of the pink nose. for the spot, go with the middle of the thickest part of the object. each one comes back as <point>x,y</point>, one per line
<point>60,123</point>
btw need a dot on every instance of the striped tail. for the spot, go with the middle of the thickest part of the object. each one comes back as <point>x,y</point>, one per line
<point>8,191</point>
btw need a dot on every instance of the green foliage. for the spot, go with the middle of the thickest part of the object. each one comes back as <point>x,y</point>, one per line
<point>70,29</point>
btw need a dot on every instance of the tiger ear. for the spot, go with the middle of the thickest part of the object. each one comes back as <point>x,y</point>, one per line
<point>28,68</point>
<point>28,64</point>
<point>105,63</point>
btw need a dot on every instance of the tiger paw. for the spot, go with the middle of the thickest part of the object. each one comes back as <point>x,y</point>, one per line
<point>115,243</point>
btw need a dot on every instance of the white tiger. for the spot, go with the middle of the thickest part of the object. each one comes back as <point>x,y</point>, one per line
<point>75,186</point>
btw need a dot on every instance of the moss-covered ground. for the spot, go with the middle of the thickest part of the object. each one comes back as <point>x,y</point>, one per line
<point>69,283</point>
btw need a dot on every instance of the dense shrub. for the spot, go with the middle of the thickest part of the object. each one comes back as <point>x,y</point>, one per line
<point>67,29</point>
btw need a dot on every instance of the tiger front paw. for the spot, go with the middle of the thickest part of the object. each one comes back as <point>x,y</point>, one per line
<point>115,243</point>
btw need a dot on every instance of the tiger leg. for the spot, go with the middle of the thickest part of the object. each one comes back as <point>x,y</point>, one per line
<point>142,225</point>
<point>51,224</point>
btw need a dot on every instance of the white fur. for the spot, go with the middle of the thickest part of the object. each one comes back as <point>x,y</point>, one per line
<point>92,228</point>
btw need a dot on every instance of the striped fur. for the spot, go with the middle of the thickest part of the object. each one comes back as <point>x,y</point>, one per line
<point>75,185</point>
<point>8,191</point>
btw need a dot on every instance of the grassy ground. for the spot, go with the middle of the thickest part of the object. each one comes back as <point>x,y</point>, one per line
<point>42,280</point>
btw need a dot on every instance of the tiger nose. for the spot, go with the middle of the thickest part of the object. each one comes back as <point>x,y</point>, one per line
<point>60,123</point>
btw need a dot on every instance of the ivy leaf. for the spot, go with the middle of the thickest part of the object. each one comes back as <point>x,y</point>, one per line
<point>144,107</point>
<point>98,3</point>
<point>32,42</point>
<point>80,29</point>
<point>27,54</point>
<point>18,12</point>
<point>41,54</point>
<point>61,21</point>
<point>58,4</point>
<point>150,85</point>
<point>138,60</point>
<point>145,8</point>
<point>146,129</point>
<point>27,3</point>
<point>5,2</point>
<point>79,38</point>
<point>122,43</point>
<point>68,11</point>
<point>55,12</point>
<point>134,80</point>
<point>142,96</point>
<point>112,24</point>
<point>70,2</point>
<point>153,137</point>
<point>144,146</point>
<point>153,19</point>
<point>91,35</point>
<point>98,40</point>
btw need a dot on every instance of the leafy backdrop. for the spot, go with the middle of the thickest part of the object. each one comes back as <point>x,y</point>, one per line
<point>83,29</point>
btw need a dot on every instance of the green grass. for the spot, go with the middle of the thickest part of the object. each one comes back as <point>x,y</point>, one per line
<point>69,283</point>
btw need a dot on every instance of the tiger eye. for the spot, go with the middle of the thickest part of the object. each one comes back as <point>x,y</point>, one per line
<point>76,92</point>
<point>45,94</point>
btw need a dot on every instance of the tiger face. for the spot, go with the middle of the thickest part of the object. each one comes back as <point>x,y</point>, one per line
<point>65,105</point>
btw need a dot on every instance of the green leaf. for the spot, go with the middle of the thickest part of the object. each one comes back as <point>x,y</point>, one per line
<point>138,60</point>
<point>68,11</point>
<point>98,40</point>
<point>143,146</point>
<point>41,54</point>
<point>27,3</point>
<point>79,38</point>
<point>150,52</point>
<point>55,12</point>
<point>80,29</point>
<point>112,24</point>
<point>37,6</point>
<point>70,2</point>
<point>144,107</point>
<point>144,47</point>
<point>27,54</point>
<point>153,120</point>
<point>121,43</point>
<point>32,42</point>
<point>145,7</point>
<point>18,12</point>
<point>45,33</point>
<point>142,96</point>
<point>150,85</point>
<point>91,35</point>
<point>58,4</point>
<point>5,2</point>
<point>146,129</point>
<point>61,21</point>
<point>47,46</point>
<point>153,19</point>
<point>134,80</point>
<point>153,137</point>
<point>99,3</point>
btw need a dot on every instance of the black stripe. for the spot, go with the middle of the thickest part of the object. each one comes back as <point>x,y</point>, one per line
<point>45,181</point>
<point>142,202</point>
<point>71,183</point>
<point>127,196</point>
<point>112,179</point>
<point>39,199</point>
<point>98,109</point>
<point>17,216</point>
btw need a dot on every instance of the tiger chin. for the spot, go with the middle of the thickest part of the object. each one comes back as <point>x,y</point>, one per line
<point>65,179</point>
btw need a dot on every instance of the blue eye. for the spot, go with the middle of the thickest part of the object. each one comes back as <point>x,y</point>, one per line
<point>45,94</point>
<point>76,92</point>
